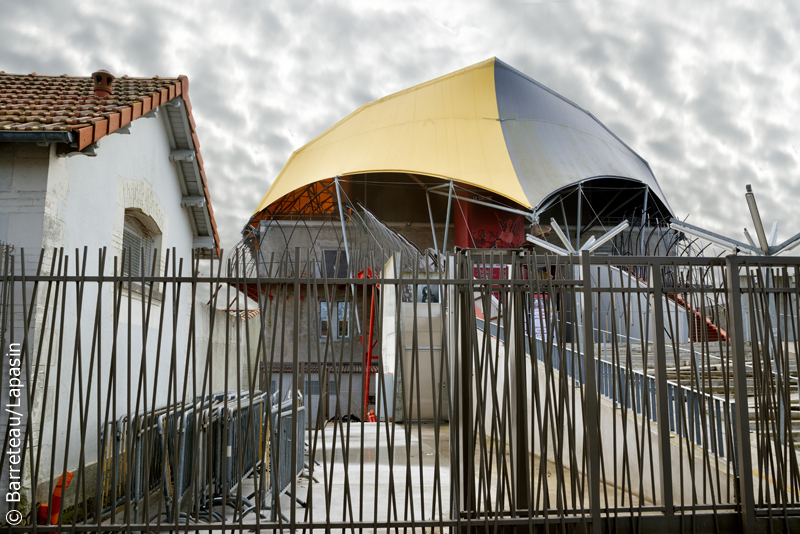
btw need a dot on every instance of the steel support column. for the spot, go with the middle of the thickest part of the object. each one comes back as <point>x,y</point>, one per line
<point>644,222</point>
<point>578,225</point>
<point>341,219</point>
<point>430,215</point>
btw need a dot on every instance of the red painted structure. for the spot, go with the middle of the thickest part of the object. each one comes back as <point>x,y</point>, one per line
<point>368,357</point>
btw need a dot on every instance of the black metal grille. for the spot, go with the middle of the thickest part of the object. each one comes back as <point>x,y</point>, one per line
<point>584,397</point>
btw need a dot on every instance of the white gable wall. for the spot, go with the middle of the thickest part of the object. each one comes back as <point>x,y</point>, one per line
<point>49,201</point>
<point>130,171</point>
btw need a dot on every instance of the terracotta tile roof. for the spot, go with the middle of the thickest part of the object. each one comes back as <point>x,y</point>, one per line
<point>31,102</point>
<point>37,103</point>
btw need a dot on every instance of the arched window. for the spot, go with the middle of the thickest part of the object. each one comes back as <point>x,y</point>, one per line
<point>138,242</point>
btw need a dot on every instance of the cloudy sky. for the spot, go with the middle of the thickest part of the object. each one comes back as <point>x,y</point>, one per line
<point>707,92</point>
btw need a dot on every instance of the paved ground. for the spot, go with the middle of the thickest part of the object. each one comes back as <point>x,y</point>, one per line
<point>366,480</point>
<point>361,480</point>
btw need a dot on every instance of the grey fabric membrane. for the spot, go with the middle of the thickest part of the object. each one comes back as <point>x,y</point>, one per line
<point>553,143</point>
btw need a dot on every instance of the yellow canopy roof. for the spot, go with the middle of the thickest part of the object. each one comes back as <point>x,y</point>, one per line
<point>487,125</point>
<point>448,128</point>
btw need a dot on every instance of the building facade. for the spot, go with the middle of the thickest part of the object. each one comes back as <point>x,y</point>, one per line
<point>93,170</point>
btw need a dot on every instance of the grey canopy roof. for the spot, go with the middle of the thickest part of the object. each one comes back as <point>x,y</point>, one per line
<point>553,143</point>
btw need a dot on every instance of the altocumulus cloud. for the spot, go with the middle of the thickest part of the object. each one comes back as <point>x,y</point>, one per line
<point>705,93</point>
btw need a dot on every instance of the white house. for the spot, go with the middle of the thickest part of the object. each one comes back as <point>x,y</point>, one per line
<point>67,181</point>
<point>93,161</point>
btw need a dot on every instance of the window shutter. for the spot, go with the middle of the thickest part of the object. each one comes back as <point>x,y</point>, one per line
<point>136,239</point>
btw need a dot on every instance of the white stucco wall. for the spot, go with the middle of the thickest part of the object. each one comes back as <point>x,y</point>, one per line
<point>92,194</point>
<point>132,171</point>
<point>48,201</point>
<point>24,197</point>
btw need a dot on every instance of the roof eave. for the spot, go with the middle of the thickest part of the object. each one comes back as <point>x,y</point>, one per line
<point>186,127</point>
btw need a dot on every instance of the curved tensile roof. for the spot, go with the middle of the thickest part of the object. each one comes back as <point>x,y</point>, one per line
<point>487,125</point>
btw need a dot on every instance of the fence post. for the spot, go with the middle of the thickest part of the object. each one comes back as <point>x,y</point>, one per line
<point>591,411</point>
<point>662,390</point>
<point>463,464</point>
<point>518,385</point>
<point>743,461</point>
<point>295,375</point>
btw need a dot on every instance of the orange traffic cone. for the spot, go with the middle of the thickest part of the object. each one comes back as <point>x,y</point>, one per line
<point>61,487</point>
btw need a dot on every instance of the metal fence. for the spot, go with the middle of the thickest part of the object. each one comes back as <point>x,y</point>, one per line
<point>527,392</point>
<point>287,460</point>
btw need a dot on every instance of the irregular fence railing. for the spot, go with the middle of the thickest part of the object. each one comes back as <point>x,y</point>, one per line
<point>512,390</point>
<point>636,391</point>
<point>287,460</point>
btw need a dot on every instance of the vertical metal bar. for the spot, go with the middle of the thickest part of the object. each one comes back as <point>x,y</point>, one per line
<point>295,372</point>
<point>518,374</point>
<point>430,215</point>
<point>644,222</point>
<point>591,411</point>
<point>341,220</point>
<point>662,402</point>
<point>743,460</point>
<point>59,357</point>
<point>447,217</point>
<point>466,450</point>
<point>578,225</point>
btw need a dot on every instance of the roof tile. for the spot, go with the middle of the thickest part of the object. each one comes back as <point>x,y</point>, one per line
<point>113,121</point>
<point>126,116</point>
<point>137,110</point>
<point>100,128</point>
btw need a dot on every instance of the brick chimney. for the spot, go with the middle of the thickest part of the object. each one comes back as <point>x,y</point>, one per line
<point>103,80</point>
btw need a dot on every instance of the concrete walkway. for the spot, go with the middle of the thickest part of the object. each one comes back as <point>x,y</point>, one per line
<point>362,479</point>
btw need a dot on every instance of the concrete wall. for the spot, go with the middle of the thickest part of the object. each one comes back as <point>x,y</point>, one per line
<point>325,397</point>
<point>130,171</point>
<point>631,314</point>
<point>415,358</point>
<point>280,326</point>
<point>420,369</point>
<point>280,238</point>
<point>28,202</point>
